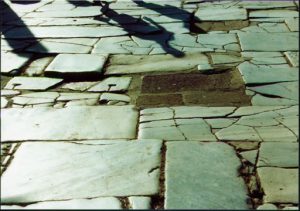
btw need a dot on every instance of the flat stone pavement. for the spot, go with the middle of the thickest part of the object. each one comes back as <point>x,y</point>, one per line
<point>181,104</point>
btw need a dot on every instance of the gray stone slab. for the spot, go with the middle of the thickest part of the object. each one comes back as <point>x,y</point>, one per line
<point>19,61</point>
<point>36,68</point>
<point>290,122</point>
<point>250,156</point>
<point>9,92</point>
<point>220,122</point>
<point>32,83</point>
<point>78,41</point>
<point>293,24</point>
<point>111,45</point>
<point>201,111</point>
<point>56,47</point>
<point>90,167</point>
<point>112,84</point>
<point>269,41</point>
<point>262,119</point>
<point>84,102</point>
<point>69,123</point>
<point>95,203</point>
<point>106,97</point>
<point>123,64</point>
<point>238,133</point>
<point>219,13</point>
<point>4,102</point>
<point>253,74</point>
<point>78,63</point>
<point>273,14</point>
<point>218,58</point>
<point>267,206</point>
<point>293,58</point>
<point>289,90</point>
<point>273,154</point>
<point>77,96</point>
<point>249,110</point>
<point>78,86</point>
<point>279,185</point>
<point>65,32</point>
<point>205,182</point>
<point>276,133</point>
<point>266,4</point>
<point>260,100</point>
<point>216,39</point>
<point>35,98</point>
<point>140,202</point>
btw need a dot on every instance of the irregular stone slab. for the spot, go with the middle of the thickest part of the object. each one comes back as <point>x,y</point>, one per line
<point>177,129</point>
<point>250,156</point>
<point>269,41</point>
<point>293,58</point>
<point>90,167</point>
<point>164,63</point>
<point>238,133</point>
<point>290,122</point>
<point>220,13</point>
<point>56,47</point>
<point>265,5</point>
<point>258,74</point>
<point>69,123</point>
<point>139,202</point>
<point>197,184</point>
<point>32,83</point>
<point>274,27</point>
<point>291,208</point>
<point>260,100</point>
<point>199,111</point>
<point>84,102</point>
<point>276,133</point>
<point>4,102</point>
<point>78,86</point>
<point>267,207</point>
<point>111,45</point>
<point>220,122</point>
<point>250,110</point>
<point>35,98</point>
<point>78,41</point>
<point>9,93</point>
<point>289,111</point>
<point>37,67</point>
<point>293,24</point>
<point>218,58</point>
<point>19,61</point>
<point>218,40</point>
<point>77,96</point>
<point>275,154</point>
<point>77,12</point>
<point>289,90</point>
<point>279,185</point>
<point>273,14</point>
<point>261,119</point>
<point>64,31</point>
<point>265,57</point>
<point>77,64</point>
<point>107,97</point>
<point>112,84</point>
<point>96,203</point>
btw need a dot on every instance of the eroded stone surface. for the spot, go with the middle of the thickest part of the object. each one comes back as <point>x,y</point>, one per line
<point>221,13</point>
<point>19,61</point>
<point>197,184</point>
<point>90,167</point>
<point>112,84</point>
<point>140,202</point>
<point>68,123</point>
<point>32,83</point>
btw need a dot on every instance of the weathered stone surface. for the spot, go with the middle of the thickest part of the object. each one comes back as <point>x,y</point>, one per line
<point>293,58</point>
<point>293,24</point>
<point>78,86</point>
<point>111,45</point>
<point>107,97</point>
<point>260,100</point>
<point>4,102</point>
<point>290,122</point>
<point>265,58</point>
<point>95,203</point>
<point>220,13</point>
<point>220,122</point>
<point>32,83</point>
<point>201,111</point>
<point>261,119</point>
<point>250,155</point>
<point>9,93</point>
<point>77,96</point>
<point>267,207</point>
<point>78,63</point>
<point>269,41</point>
<point>216,40</point>
<point>163,63</point>
<point>275,154</point>
<point>68,123</point>
<point>65,32</point>
<point>253,74</point>
<point>84,102</point>
<point>218,58</point>
<point>140,202</point>
<point>37,67</point>
<point>112,84</point>
<point>197,184</point>
<point>19,60</point>
<point>249,110</point>
<point>266,5</point>
<point>273,14</point>
<point>276,133</point>
<point>35,98</point>
<point>279,185</point>
<point>90,167</point>
<point>237,133</point>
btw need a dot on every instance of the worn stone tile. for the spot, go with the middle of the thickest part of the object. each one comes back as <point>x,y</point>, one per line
<point>220,13</point>
<point>77,64</point>
<point>250,110</point>
<point>57,47</point>
<point>77,96</point>
<point>250,155</point>
<point>139,202</point>
<point>293,58</point>
<point>289,111</point>
<point>112,84</point>
<point>69,123</point>
<point>32,83</point>
<point>9,92</point>
<point>107,97</point>
<point>262,119</point>
<point>111,45</point>
<point>274,154</point>
<point>65,32</point>
<point>238,133</point>
<point>197,184</point>
<point>253,74</point>
<point>4,102</point>
<point>273,14</point>
<point>265,5</point>
<point>78,41</point>
<point>217,40</point>
<point>218,58</point>
<point>37,67</point>
<point>267,206</point>
<point>269,41</point>
<point>274,27</point>
<point>78,86</point>
<point>36,98</point>
<point>84,102</point>
<point>279,185</point>
<point>265,58</point>
<point>19,61</point>
<point>152,114</point>
<point>90,167</point>
<point>161,63</point>
<point>289,90</point>
<point>293,24</point>
<point>290,122</point>
<point>260,100</point>
<point>276,133</point>
<point>199,111</point>
<point>220,122</point>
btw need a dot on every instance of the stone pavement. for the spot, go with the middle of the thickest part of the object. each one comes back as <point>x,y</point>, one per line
<point>185,104</point>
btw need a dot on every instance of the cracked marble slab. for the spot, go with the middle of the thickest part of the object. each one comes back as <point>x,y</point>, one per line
<point>32,83</point>
<point>90,167</point>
